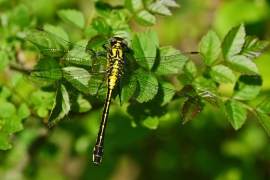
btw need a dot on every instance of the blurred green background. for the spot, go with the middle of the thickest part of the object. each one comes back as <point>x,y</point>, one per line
<point>205,148</point>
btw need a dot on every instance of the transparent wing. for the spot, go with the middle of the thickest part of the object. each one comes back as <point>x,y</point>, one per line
<point>54,46</point>
<point>143,85</point>
<point>79,78</point>
<point>165,65</point>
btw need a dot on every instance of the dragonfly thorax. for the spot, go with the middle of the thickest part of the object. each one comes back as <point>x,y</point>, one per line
<point>115,60</point>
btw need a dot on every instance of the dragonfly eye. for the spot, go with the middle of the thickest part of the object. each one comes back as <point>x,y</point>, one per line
<point>124,43</point>
<point>112,41</point>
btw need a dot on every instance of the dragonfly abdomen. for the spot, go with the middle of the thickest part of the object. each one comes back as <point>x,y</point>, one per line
<point>98,149</point>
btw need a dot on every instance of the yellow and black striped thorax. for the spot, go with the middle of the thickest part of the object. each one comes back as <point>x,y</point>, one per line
<point>115,60</point>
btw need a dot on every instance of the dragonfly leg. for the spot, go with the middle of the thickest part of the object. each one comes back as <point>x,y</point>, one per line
<point>105,47</point>
<point>101,53</point>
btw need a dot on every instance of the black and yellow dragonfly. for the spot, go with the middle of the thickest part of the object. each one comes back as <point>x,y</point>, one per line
<point>91,71</point>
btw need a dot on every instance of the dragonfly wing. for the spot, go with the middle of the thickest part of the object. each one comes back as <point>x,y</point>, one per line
<point>83,80</point>
<point>54,46</point>
<point>47,42</point>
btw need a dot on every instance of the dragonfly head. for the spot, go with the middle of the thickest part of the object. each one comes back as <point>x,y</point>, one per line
<point>118,40</point>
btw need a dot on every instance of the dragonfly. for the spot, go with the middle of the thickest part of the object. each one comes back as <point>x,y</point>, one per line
<point>94,71</point>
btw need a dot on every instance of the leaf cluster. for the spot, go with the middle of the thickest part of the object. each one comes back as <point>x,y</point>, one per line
<point>67,68</point>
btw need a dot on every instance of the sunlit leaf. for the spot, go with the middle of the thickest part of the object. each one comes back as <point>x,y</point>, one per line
<point>61,105</point>
<point>100,25</point>
<point>4,60</point>
<point>151,122</point>
<point>21,15</point>
<point>145,85</point>
<point>253,47</point>
<point>236,113</point>
<point>12,124</point>
<point>234,41</point>
<point>7,109</point>
<point>144,46</point>
<point>264,120</point>
<point>209,98</point>
<point>264,105</point>
<point>4,141</point>
<point>222,74</point>
<point>243,65</point>
<point>81,105</point>
<point>158,8</point>
<point>73,17</point>
<point>247,87</point>
<point>23,111</point>
<point>171,65</point>
<point>133,5</point>
<point>145,18</point>
<point>210,47</point>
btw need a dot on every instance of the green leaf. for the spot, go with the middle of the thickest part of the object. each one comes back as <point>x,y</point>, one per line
<point>4,141</point>
<point>73,17</point>
<point>20,15</point>
<point>23,111</point>
<point>205,82</point>
<point>153,36</point>
<point>5,92</point>
<point>55,31</point>
<point>61,105</point>
<point>48,43</point>
<point>189,91</point>
<point>42,112</point>
<point>145,18</point>
<point>151,122</point>
<point>97,85</point>
<point>171,62</point>
<point>247,87</point>
<point>190,110</point>
<point>12,124</point>
<point>78,77</point>
<point>169,3</point>
<point>103,8</point>
<point>243,65</point>
<point>236,113</point>
<point>145,85</point>
<point>42,98</point>
<point>16,79</point>
<point>101,26</point>
<point>264,105</point>
<point>213,91</point>
<point>233,41</point>
<point>4,60</point>
<point>222,74</point>
<point>210,47</point>
<point>165,93</point>
<point>144,45</point>
<point>190,69</point>
<point>81,105</point>
<point>253,47</point>
<point>264,120</point>
<point>133,5</point>
<point>89,31</point>
<point>209,98</point>
<point>159,8</point>
<point>128,87</point>
<point>45,73</point>
<point>7,109</point>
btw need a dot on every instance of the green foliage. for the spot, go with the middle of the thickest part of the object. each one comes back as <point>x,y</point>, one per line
<point>162,84</point>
